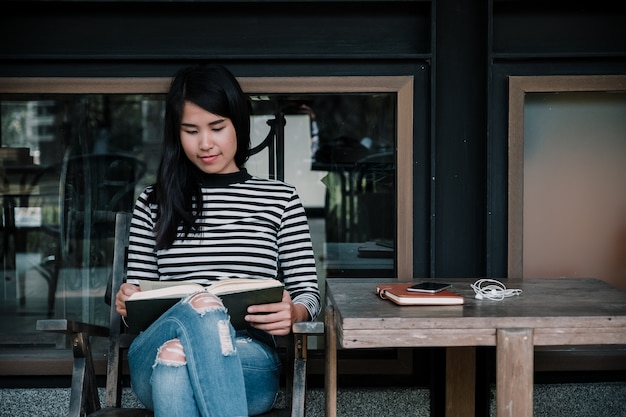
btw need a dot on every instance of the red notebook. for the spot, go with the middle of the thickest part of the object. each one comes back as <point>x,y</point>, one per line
<point>399,295</point>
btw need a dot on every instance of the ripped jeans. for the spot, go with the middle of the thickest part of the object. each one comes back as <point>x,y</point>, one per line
<point>191,362</point>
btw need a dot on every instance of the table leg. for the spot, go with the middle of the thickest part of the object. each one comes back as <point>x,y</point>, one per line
<point>514,372</point>
<point>460,381</point>
<point>330,382</point>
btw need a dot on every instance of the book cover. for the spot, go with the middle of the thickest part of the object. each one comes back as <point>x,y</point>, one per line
<point>145,306</point>
<point>398,294</point>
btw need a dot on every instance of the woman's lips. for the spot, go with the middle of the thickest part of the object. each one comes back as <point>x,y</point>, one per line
<point>208,158</point>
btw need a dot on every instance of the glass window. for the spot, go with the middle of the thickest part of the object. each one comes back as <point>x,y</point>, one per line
<point>69,161</point>
<point>339,151</point>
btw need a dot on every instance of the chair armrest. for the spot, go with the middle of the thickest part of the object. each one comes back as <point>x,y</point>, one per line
<point>308,327</point>
<point>64,326</point>
<point>84,397</point>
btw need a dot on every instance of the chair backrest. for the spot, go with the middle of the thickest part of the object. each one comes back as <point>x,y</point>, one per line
<point>118,340</point>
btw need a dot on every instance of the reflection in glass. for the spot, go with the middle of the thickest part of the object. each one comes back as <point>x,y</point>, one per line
<point>340,154</point>
<point>69,161</point>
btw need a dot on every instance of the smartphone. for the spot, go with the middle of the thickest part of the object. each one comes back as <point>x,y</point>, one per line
<point>430,287</point>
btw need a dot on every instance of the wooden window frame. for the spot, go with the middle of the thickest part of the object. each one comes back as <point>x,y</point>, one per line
<point>519,86</point>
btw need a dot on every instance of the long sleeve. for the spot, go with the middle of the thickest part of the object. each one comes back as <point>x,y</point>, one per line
<point>255,228</point>
<point>297,260</point>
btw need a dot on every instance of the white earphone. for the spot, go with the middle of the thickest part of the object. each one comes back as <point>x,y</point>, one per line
<point>492,289</point>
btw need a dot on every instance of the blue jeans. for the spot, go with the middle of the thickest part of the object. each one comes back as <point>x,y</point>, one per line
<point>225,373</point>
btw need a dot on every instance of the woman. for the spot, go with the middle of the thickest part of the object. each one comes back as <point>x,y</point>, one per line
<point>191,361</point>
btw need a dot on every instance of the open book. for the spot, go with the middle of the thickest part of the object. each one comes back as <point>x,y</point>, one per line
<point>398,293</point>
<point>156,297</point>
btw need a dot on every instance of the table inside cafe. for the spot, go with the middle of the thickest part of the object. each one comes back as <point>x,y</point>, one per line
<point>349,259</point>
<point>549,312</point>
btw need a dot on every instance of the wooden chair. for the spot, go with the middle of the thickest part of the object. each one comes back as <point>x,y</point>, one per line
<point>84,400</point>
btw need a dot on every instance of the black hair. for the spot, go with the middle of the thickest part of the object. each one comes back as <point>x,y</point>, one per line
<point>177,186</point>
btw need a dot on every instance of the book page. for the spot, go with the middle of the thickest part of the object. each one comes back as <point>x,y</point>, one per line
<point>172,291</point>
<point>231,285</point>
<point>225,286</point>
<point>148,285</point>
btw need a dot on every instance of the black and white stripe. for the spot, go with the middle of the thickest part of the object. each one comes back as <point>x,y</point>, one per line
<point>250,229</point>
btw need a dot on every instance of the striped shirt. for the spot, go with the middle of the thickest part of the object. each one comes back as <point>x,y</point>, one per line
<point>249,228</point>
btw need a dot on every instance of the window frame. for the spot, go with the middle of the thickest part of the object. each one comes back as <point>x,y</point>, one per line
<point>519,86</point>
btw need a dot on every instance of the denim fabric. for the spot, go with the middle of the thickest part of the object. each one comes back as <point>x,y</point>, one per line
<point>227,374</point>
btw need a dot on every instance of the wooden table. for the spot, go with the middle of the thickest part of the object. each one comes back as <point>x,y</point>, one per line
<point>550,312</point>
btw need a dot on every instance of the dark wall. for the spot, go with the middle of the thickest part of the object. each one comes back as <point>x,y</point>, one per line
<point>466,48</point>
<point>539,38</point>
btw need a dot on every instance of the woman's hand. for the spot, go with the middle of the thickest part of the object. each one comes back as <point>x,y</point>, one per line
<point>277,318</point>
<point>122,295</point>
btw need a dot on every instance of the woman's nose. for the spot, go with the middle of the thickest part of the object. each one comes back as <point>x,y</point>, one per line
<point>206,143</point>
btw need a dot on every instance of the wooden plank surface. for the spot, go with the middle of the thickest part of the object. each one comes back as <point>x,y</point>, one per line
<point>562,311</point>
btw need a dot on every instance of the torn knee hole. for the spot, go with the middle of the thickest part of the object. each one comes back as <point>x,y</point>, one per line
<point>204,301</point>
<point>172,352</point>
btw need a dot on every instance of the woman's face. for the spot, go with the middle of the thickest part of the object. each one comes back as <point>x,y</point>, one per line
<point>209,140</point>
